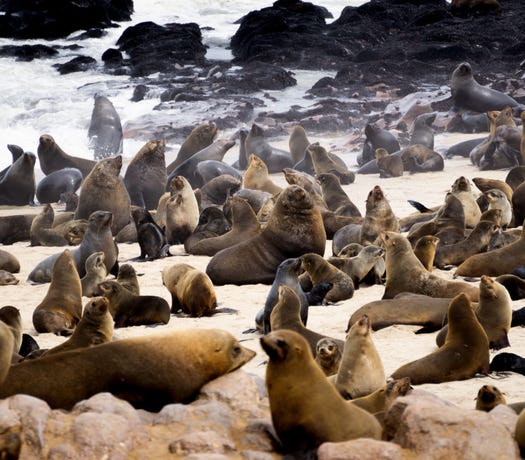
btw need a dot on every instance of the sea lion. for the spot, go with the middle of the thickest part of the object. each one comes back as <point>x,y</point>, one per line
<point>182,211</point>
<point>212,223</point>
<point>256,176</point>
<point>297,143</point>
<point>294,228</point>
<point>286,315</point>
<point>422,132</point>
<point>376,138</point>
<point>208,169</point>
<point>304,180</point>
<point>405,273</point>
<point>419,158</point>
<point>52,158</point>
<point>359,266</point>
<point>465,352</point>
<point>463,149</point>
<point>335,197</point>
<point>104,190</point>
<point>381,399</point>
<point>388,165</point>
<point>15,228</point>
<point>512,362</point>
<point>96,272</point>
<point>323,163</point>
<point>11,317</point>
<point>378,216</point>
<point>70,200</point>
<point>320,270</point>
<point>17,187</point>
<point>478,152</point>
<point>515,286</point>
<point>127,277</point>
<point>462,190</point>
<point>498,200</point>
<point>200,137</point>
<point>51,187</point>
<point>105,129</point>
<point>306,409</point>
<point>494,313</point>
<point>485,184</point>
<point>218,190</point>
<point>488,398</point>
<point>425,250</point>
<point>519,432</point>
<point>152,240</point>
<point>179,363</point>
<point>128,309</point>
<point>16,153</point>
<point>9,262</point>
<point>275,159</point>
<point>504,150</point>
<point>42,232</point>
<point>191,290</point>
<point>61,309</point>
<point>468,94</point>
<point>74,231</point>
<point>7,278</point>
<point>328,356</point>
<point>242,162</point>
<point>6,349</point>
<point>146,176</point>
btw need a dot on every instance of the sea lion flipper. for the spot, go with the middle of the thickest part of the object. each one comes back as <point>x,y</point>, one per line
<point>420,207</point>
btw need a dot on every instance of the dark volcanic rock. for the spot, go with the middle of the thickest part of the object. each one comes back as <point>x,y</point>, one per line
<point>27,52</point>
<point>78,64</point>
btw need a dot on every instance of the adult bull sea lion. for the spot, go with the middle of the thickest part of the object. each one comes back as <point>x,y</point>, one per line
<point>295,227</point>
<point>52,158</point>
<point>149,372</point>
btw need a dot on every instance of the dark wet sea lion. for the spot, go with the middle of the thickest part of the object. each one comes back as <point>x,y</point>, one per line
<point>208,169</point>
<point>51,187</point>
<point>218,189</point>
<point>275,159</point>
<point>512,362</point>
<point>53,158</point>
<point>15,228</point>
<point>376,137</point>
<point>422,132</point>
<point>463,149</point>
<point>9,262</point>
<point>212,224</point>
<point>16,153</point>
<point>515,287</point>
<point>17,187</point>
<point>127,277</point>
<point>152,240</point>
<point>105,129</point>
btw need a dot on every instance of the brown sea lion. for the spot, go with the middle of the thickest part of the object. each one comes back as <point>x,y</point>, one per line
<point>42,232</point>
<point>361,370</point>
<point>488,398</point>
<point>149,372</point>
<point>128,309</point>
<point>11,317</point>
<point>420,158</point>
<point>9,262</point>
<point>357,267</point>
<point>306,409</point>
<point>17,186</point>
<point>425,250</point>
<point>298,143</point>
<point>256,176</point>
<point>335,197</point>
<point>145,177</point>
<point>478,152</point>
<point>182,211</point>
<point>127,277</point>
<point>323,163</point>
<point>74,231</point>
<point>7,278</point>
<point>294,228</point>
<point>52,158</point>
<point>61,309</point>
<point>422,132</point>
<point>389,165</point>
<point>381,399</point>
<point>498,200</point>
<point>405,273</point>
<point>6,350</point>
<point>462,190</point>
<point>191,290</point>
<point>328,356</point>
<point>465,352</point>
<point>96,272</point>
<point>485,184</point>
<point>304,180</point>
<point>378,217</point>
<point>275,159</point>
<point>104,190</point>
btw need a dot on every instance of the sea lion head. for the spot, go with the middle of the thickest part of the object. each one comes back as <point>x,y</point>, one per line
<point>290,266</point>
<point>381,153</point>
<point>295,197</point>
<point>109,288</point>
<point>488,288</point>
<point>463,70</point>
<point>100,219</point>
<point>257,163</point>
<point>371,129</point>
<point>285,345</point>
<point>492,115</point>
<point>489,397</point>
<point>493,195</point>
<point>461,184</point>
<point>7,278</point>
<point>326,348</point>
<point>398,387</point>
<point>256,130</point>
<point>361,327</point>
<point>97,306</point>
<point>29,159</point>
<point>178,183</point>
<point>45,141</point>
<point>205,133</point>
<point>316,151</point>
<point>350,250</point>
<point>374,196</point>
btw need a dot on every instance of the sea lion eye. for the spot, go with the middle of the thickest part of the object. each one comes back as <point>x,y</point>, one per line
<point>236,351</point>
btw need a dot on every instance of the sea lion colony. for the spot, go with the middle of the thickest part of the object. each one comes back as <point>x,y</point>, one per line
<point>298,220</point>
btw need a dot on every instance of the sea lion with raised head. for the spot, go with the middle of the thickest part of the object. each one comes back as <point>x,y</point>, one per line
<point>182,211</point>
<point>275,159</point>
<point>488,398</point>
<point>53,158</point>
<point>42,232</point>
<point>306,409</point>
<point>323,163</point>
<point>152,240</point>
<point>297,143</point>
<point>376,137</point>
<point>105,129</point>
<point>256,176</point>
<point>498,200</point>
<point>378,216</point>
<point>17,187</point>
<point>381,399</point>
<point>389,165</point>
<point>127,277</point>
<point>96,272</point>
<point>425,250</point>
<point>328,356</point>
<point>422,132</point>
<point>335,197</point>
<point>51,187</point>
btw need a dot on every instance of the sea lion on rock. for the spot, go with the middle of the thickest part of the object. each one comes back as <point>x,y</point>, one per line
<point>323,163</point>
<point>294,228</point>
<point>389,165</point>
<point>42,232</point>
<point>179,363</point>
<point>191,290</point>
<point>51,187</point>
<point>378,216</point>
<point>306,409</point>
<point>464,354</point>
<point>488,398</point>
<point>17,187</point>
<point>104,190</point>
<point>105,129</point>
<point>96,272</point>
<point>152,240</point>
<point>53,158</point>
<point>61,309</point>
<point>328,356</point>
<point>405,273</point>
<point>256,176</point>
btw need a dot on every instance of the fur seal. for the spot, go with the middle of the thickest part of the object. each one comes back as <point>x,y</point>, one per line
<point>508,362</point>
<point>146,177</point>
<point>361,370</point>
<point>11,317</point>
<point>422,132</point>
<point>357,267</point>
<point>104,190</point>
<point>128,309</point>
<point>485,184</point>
<point>488,398</point>
<point>61,309</point>
<point>9,262</point>
<point>376,137</point>
<point>304,180</point>
<point>7,278</point>
<point>127,277</point>
<point>275,159</point>
<point>212,223</point>
<point>152,240</point>
<point>42,232</point>
<point>95,273</point>
<point>465,352</point>
<point>51,187</point>
<point>191,290</point>
<point>328,356</point>
<point>105,129</point>
<point>405,273</point>
<point>208,169</point>
<point>53,158</point>
<point>6,349</point>
<point>297,143</point>
<point>335,197</point>
<point>498,200</point>
<point>515,286</point>
<point>15,228</point>
<point>16,153</point>
<point>381,399</point>
<point>468,94</point>
<point>17,187</point>
<point>323,163</point>
<point>256,176</point>
<point>419,158</point>
<point>378,216</point>
<point>182,211</point>
<point>242,162</point>
<point>462,190</point>
<point>425,250</point>
<point>179,363</point>
<point>218,190</point>
<point>306,409</point>
<point>388,165</point>
<point>295,227</point>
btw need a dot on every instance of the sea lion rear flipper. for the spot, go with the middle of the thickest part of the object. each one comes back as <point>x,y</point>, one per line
<point>420,207</point>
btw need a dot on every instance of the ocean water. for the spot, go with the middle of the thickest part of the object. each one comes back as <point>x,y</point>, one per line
<point>35,99</point>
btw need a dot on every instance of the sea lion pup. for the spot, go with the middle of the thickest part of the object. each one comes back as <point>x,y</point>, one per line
<point>182,211</point>
<point>405,273</point>
<point>320,270</point>
<point>286,315</point>
<point>295,227</point>
<point>496,262</point>
<point>52,158</point>
<point>381,399</point>
<point>323,163</point>
<point>361,370</point>
<point>145,177</point>
<point>127,277</point>
<point>494,312</point>
<point>7,345</point>
<point>42,232</point>
<point>256,176</point>
<point>378,217</point>
<point>468,94</point>
<point>335,197</point>
<point>152,240</point>
<point>74,231</point>
<point>304,180</point>
<point>7,278</point>
<point>104,189</point>
<point>328,356</point>
<point>462,190</point>
<point>389,165</point>
<point>512,362</point>
<point>183,361</point>
<point>425,250</point>
<point>498,200</point>
<point>11,317</point>
<point>244,226</point>
<point>488,398</point>
<point>419,158</point>
<point>191,290</point>
<point>97,238</point>
<point>298,143</point>
<point>485,184</point>
<point>465,352</point>
<point>212,223</point>
<point>306,409</point>
<point>477,241</point>
<point>9,262</point>
<point>128,309</point>
<point>96,272</point>
<point>61,309</point>
<point>200,137</point>
<point>359,266</point>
